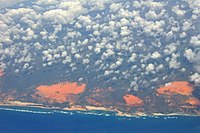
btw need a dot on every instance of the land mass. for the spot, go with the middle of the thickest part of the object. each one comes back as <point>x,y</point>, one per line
<point>175,98</point>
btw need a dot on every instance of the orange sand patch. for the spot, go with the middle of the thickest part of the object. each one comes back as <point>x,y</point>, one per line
<point>189,107</point>
<point>93,102</point>
<point>59,92</point>
<point>132,100</point>
<point>1,73</point>
<point>193,101</point>
<point>177,87</point>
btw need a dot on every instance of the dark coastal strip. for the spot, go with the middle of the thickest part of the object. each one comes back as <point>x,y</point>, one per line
<point>27,122</point>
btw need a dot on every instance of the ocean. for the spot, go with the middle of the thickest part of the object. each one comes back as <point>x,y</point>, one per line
<point>32,120</point>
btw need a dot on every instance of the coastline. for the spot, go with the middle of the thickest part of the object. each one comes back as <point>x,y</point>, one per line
<point>87,109</point>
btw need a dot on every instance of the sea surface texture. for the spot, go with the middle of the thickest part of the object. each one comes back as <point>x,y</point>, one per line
<point>21,120</point>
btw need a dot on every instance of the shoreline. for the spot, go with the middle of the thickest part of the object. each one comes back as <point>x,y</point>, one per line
<point>87,109</point>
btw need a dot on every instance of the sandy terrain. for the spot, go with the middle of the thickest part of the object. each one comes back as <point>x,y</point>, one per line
<point>1,73</point>
<point>59,92</point>
<point>193,101</point>
<point>177,87</point>
<point>132,100</point>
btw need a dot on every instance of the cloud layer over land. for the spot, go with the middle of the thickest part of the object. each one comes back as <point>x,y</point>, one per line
<point>130,44</point>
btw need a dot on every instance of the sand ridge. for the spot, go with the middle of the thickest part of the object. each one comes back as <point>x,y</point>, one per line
<point>193,101</point>
<point>60,91</point>
<point>177,87</point>
<point>132,100</point>
<point>1,72</point>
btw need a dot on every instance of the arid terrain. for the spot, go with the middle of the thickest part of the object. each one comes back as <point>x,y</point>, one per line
<point>172,98</point>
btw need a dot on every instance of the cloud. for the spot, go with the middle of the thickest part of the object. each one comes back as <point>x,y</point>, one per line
<point>29,35</point>
<point>186,25</point>
<point>176,9</point>
<point>125,31</point>
<point>174,63</point>
<point>189,54</point>
<point>18,13</point>
<point>77,56</point>
<point>143,36</point>
<point>195,78</point>
<point>151,15</point>
<point>8,3</point>
<point>133,57</point>
<point>64,54</point>
<point>195,6</point>
<point>150,67</point>
<point>67,60</point>
<point>195,40</point>
<point>115,7</point>
<point>46,2</point>
<point>156,55</point>
<point>38,46</point>
<point>137,4</point>
<point>153,5</point>
<point>60,16</point>
<point>86,61</point>
<point>196,61</point>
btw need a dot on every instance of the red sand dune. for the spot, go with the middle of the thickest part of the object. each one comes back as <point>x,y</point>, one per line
<point>193,101</point>
<point>59,92</point>
<point>132,100</point>
<point>1,73</point>
<point>177,87</point>
<point>188,107</point>
<point>93,102</point>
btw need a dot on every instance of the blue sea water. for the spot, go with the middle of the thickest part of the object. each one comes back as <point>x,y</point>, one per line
<point>30,120</point>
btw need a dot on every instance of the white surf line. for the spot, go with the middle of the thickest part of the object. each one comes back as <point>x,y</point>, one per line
<point>27,111</point>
